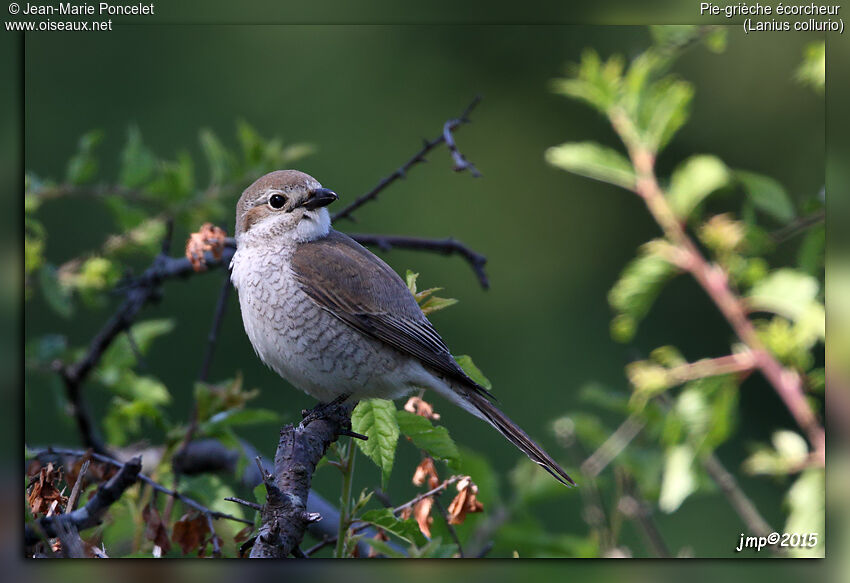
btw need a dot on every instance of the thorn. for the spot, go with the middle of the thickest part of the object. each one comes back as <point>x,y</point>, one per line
<point>310,517</point>
<point>353,434</point>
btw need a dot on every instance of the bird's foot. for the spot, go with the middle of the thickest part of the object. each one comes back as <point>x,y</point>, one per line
<point>326,410</point>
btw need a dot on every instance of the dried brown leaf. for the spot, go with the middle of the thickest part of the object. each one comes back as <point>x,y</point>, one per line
<point>422,514</point>
<point>381,536</point>
<point>155,529</point>
<point>190,532</point>
<point>465,502</point>
<point>426,471</point>
<point>208,238</point>
<point>243,534</point>
<point>43,492</point>
<point>419,406</point>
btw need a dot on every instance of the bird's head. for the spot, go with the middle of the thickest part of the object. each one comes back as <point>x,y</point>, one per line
<point>283,204</point>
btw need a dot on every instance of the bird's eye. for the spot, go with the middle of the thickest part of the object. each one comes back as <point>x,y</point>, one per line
<point>276,201</point>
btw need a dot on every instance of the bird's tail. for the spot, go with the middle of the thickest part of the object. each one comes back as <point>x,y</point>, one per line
<point>480,406</point>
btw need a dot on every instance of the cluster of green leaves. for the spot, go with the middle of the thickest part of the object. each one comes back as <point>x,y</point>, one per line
<point>646,105</point>
<point>147,192</point>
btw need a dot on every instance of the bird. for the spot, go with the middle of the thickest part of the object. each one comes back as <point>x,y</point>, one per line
<point>336,321</point>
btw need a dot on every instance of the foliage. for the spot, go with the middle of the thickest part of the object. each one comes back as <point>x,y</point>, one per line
<point>648,445</point>
<point>646,105</point>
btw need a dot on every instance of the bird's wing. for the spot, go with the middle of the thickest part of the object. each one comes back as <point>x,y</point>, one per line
<point>354,285</point>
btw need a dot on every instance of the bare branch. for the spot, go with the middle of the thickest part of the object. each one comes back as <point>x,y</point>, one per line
<point>75,491</point>
<point>191,503</point>
<point>251,505</point>
<point>444,246</point>
<point>742,505</point>
<point>613,446</point>
<point>284,516</point>
<point>212,338</point>
<point>417,158</point>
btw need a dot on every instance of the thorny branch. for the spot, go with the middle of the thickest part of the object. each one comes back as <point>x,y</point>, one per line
<point>284,517</point>
<point>419,157</point>
<point>444,246</point>
<point>146,288</point>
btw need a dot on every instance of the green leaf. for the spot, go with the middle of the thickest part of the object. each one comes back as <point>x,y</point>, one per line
<point>812,70</point>
<point>810,256</point>
<point>807,510</point>
<point>410,279</point>
<point>673,35</point>
<point>435,303</point>
<point>56,294</point>
<point>260,493</point>
<point>138,163</point>
<point>219,159</point>
<point>594,161</point>
<point>693,180</point>
<point>383,548</point>
<point>473,371</point>
<point>384,518</point>
<point>376,418</point>
<point>639,284</point>
<point>434,439</point>
<point>679,480</point>
<point>786,292</point>
<point>82,166</point>
<point>767,195</point>
<point>668,107</point>
<point>241,417</point>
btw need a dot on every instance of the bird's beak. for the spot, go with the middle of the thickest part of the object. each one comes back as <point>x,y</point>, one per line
<point>319,198</point>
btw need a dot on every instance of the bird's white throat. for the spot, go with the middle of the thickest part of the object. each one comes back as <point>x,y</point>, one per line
<point>315,225</point>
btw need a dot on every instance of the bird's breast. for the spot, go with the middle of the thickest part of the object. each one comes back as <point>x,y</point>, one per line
<point>303,343</point>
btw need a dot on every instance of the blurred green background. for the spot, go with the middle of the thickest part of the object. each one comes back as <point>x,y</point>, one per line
<point>364,96</point>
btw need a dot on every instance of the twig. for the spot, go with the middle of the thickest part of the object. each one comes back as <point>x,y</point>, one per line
<point>715,281</point>
<point>418,157</point>
<point>252,505</point>
<point>613,446</point>
<point>742,505</point>
<point>92,513</point>
<point>797,226</point>
<point>143,478</point>
<point>75,491</point>
<point>635,507</point>
<point>212,337</point>
<point>284,517</point>
<point>216,544</point>
<point>452,530</point>
<point>445,246</point>
<point>436,490</point>
<point>460,161</point>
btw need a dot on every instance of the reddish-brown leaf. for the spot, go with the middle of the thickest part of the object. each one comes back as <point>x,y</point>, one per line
<point>43,491</point>
<point>208,238</point>
<point>190,532</point>
<point>422,514</point>
<point>155,529</point>
<point>243,534</point>
<point>426,471</point>
<point>465,502</point>
<point>419,406</point>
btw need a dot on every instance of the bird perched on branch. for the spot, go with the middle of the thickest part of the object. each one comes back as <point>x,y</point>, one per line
<point>336,321</point>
